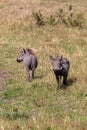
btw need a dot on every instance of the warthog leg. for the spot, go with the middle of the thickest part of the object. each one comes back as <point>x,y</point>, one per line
<point>57,79</point>
<point>27,74</point>
<point>65,81</point>
<point>32,73</point>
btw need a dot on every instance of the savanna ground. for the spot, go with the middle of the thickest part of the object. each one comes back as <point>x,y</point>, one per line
<point>38,105</point>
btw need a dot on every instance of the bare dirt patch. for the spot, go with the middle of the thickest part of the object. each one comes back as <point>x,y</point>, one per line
<point>4,75</point>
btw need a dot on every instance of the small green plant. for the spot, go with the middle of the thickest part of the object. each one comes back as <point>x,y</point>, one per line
<point>70,8</point>
<point>75,19</point>
<point>13,92</point>
<point>15,115</point>
<point>48,128</point>
<point>79,20</point>
<point>52,19</point>
<point>61,16</point>
<point>39,18</point>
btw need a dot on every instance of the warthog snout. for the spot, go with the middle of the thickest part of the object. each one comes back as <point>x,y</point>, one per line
<point>19,60</point>
<point>56,64</point>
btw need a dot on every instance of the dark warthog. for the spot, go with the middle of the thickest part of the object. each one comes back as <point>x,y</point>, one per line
<point>60,66</point>
<point>30,61</point>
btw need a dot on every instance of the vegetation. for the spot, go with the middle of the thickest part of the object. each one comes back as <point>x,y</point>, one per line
<point>69,18</point>
<point>38,104</point>
<point>39,18</point>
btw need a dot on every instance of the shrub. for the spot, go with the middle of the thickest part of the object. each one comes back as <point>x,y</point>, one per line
<point>39,18</point>
<point>51,20</point>
<point>75,19</point>
<point>69,19</point>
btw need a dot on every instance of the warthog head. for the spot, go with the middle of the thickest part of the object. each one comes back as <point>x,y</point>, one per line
<point>21,57</point>
<point>56,63</point>
<point>60,66</point>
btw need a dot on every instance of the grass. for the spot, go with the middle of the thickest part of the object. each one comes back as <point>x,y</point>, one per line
<point>38,105</point>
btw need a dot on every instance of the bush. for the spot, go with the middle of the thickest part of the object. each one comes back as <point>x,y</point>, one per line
<point>39,18</point>
<point>69,19</point>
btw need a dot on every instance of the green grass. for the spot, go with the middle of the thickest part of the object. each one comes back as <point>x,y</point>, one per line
<point>38,104</point>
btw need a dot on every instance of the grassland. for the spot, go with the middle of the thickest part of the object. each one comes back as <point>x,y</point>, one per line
<point>38,105</point>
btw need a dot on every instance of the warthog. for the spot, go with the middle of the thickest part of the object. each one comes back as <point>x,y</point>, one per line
<point>60,66</point>
<point>30,61</point>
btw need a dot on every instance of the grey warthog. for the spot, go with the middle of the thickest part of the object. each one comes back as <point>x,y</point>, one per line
<point>30,61</point>
<point>60,66</point>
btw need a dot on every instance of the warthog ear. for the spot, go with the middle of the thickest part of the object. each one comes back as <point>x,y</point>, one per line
<point>24,50</point>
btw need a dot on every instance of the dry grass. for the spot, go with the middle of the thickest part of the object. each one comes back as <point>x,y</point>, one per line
<point>38,105</point>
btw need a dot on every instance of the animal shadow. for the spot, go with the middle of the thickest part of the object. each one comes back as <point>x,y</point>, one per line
<point>71,82</point>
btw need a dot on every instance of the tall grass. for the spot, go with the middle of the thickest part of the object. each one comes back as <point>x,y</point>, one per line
<point>38,105</point>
